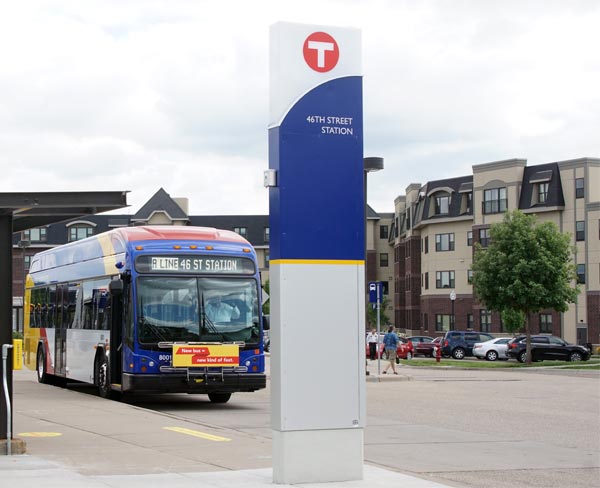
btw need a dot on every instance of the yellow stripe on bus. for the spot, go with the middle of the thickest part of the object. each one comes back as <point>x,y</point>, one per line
<point>197,433</point>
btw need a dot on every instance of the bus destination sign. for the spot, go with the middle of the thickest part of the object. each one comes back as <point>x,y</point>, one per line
<point>194,264</point>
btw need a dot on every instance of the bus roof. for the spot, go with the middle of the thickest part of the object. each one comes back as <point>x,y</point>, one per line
<point>167,232</point>
<point>115,242</point>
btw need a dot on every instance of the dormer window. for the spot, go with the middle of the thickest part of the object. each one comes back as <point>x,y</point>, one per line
<point>442,204</point>
<point>80,230</point>
<point>542,192</point>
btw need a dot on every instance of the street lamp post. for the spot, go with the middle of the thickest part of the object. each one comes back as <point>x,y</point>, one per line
<point>452,300</point>
<point>370,165</point>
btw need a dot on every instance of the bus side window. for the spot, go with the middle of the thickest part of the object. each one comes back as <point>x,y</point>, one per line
<point>71,318</point>
<point>51,309</point>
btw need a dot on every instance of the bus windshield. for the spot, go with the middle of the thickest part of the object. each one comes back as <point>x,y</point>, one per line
<point>192,309</point>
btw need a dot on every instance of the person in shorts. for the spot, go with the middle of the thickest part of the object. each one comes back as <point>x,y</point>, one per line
<point>390,342</point>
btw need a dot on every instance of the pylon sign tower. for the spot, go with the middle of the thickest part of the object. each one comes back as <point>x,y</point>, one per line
<point>317,252</point>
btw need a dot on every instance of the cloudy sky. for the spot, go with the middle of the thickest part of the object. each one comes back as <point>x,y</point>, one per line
<point>142,94</point>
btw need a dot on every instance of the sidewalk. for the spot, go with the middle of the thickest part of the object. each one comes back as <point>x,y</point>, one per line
<point>80,440</point>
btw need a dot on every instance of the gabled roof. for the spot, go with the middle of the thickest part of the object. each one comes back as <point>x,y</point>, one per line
<point>160,202</point>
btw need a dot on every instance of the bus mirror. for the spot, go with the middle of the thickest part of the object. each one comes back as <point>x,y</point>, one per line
<point>266,322</point>
<point>116,287</point>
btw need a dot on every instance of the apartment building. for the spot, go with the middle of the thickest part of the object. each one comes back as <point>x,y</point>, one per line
<point>435,226</point>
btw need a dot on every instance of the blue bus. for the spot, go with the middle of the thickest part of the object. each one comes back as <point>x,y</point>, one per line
<point>149,309</point>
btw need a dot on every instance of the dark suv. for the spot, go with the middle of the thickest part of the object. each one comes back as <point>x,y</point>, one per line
<point>459,343</point>
<point>546,347</point>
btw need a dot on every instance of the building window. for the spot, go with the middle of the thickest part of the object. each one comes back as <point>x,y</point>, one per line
<point>580,230</point>
<point>442,322</point>
<point>383,260</point>
<point>442,205</point>
<point>385,288</point>
<point>485,319</point>
<point>444,242</point>
<point>267,260</point>
<point>581,274</point>
<point>35,235</point>
<point>469,238</point>
<point>484,237</point>
<point>78,232</point>
<point>426,244</point>
<point>543,192</point>
<point>579,188</point>
<point>243,231</point>
<point>383,232</point>
<point>444,279</point>
<point>469,321</point>
<point>546,323</point>
<point>27,261</point>
<point>267,234</point>
<point>494,201</point>
<point>427,280</point>
<point>470,276</point>
<point>467,202</point>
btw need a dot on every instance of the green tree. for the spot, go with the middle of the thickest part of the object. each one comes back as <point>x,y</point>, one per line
<point>372,314</point>
<point>266,308</point>
<point>526,268</point>
<point>513,320</point>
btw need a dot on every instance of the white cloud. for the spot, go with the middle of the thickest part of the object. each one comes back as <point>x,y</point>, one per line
<point>139,95</point>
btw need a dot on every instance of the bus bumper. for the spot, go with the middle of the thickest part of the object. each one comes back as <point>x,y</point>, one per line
<point>193,383</point>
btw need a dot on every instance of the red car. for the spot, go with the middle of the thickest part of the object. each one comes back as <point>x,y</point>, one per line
<point>427,348</point>
<point>405,349</point>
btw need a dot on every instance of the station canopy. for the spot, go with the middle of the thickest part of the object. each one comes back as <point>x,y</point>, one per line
<point>31,210</point>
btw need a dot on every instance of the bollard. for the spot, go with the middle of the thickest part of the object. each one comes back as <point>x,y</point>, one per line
<point>17,354</point>
<point>5,348</point>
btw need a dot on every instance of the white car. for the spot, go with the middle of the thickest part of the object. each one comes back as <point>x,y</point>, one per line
<point>492,349</point>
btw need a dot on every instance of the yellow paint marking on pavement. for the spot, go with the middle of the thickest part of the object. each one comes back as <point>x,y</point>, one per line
<point>39,434</point>
<point>197,433</point>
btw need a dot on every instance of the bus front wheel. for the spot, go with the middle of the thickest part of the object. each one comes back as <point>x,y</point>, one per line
<point>102,376</point>
<point>42,375</point>
<point>219,397</point>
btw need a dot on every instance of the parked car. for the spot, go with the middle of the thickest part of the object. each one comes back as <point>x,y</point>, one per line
<point>417,339</point>
<point>546,347</point>
<point>459,343</point>
<point>492,349</point>
<point>427,348</point>
<point>403,351</point>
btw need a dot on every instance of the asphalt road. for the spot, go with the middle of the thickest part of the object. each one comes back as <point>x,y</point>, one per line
<point>475,428</point>
<point>463,428</point>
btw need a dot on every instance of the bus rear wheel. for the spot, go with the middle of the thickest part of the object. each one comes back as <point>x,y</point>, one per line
<point>40,366</point>
<point>219,397</point>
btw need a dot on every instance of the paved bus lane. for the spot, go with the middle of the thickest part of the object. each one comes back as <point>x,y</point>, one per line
<point>460,428</point>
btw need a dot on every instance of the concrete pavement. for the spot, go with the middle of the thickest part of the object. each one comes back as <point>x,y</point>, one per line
<point>76,439</point>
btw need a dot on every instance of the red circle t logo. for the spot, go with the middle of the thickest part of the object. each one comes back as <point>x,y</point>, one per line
<point>321,52</point>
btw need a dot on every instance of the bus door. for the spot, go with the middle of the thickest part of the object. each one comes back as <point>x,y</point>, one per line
<point>116,331</point>
<point>60,332</point>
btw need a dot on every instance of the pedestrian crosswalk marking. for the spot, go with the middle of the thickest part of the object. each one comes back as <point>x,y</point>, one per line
<point>197,433</point>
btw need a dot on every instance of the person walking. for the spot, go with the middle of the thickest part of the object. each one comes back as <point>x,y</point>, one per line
<point>390,341</point>
<point>372,340</point>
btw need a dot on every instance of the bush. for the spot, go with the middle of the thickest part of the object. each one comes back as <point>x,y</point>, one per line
<point>17,334</point>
